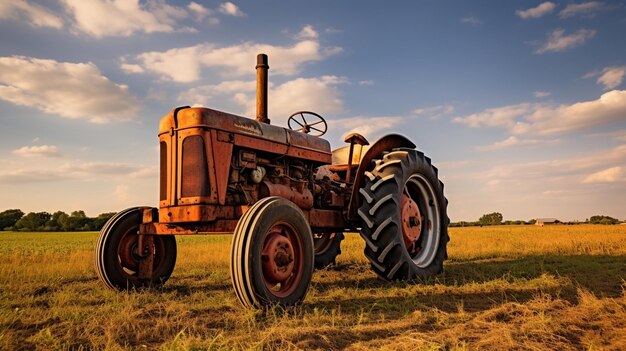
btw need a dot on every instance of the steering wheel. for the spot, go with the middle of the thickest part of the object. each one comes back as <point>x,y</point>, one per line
<point>301,124</point>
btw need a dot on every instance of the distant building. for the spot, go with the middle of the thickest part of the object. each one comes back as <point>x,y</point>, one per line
<point>546,221</point>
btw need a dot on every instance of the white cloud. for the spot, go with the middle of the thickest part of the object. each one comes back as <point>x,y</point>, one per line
<point>514,141</point>
<point>24,176</point>
<point>184,65</point>
<point>71,90</point>
<point>200,11</point>
<point>101,18</point>
<point>83,171</point>
<point>558,41</point>
<point>550,120</point>
<point>585,115</point>
<point>228,8</point>
<point>203,94</point>
<point>180,65</point>
<point>434,112</point>
<point>366,82</point>
<point>538,11</point>
<point>609,175</point>
<point>619,135</point>
<point>541,94</point>
<point>574,169</point>
<point>131,68</point>
<point>35,15</point>
<point>586,9</point>
<point>611,77</point>
<point>121,192</point>
<point>504,116</point>
<point>368,126</point>
<point>308,32</point>
<point>471,20</point>
<point>319,94</point>
<point>38,151</point>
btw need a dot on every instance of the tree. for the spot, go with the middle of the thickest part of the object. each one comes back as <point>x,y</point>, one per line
<point>53,224</point>
<point>8,218</point>
<point>33,221</point>
<point>600,219</point>
<point>99,221</point>
<point>494,218</point>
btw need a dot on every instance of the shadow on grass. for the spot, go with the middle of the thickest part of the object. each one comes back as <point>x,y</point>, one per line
<point>601,275</point>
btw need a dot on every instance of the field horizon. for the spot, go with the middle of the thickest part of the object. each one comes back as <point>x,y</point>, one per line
<point>504,287</point>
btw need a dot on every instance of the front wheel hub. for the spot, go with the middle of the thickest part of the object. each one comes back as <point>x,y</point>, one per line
<point>411,221</point>
<point>277,258</point>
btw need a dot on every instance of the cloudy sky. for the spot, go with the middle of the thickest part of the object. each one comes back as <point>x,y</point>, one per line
<point>520,104</point>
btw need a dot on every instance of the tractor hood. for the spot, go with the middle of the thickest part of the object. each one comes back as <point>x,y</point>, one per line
<point>201,117</point>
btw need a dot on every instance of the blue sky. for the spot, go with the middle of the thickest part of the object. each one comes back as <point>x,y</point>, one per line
<point>520,104</point>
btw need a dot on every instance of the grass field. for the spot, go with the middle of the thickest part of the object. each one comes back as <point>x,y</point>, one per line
<point>507,287</point>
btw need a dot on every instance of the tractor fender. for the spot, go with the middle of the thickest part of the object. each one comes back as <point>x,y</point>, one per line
<point>386,143</point>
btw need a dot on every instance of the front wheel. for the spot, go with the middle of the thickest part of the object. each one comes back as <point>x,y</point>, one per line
<point>405,223</point>
<point>272,254</point>
<point>117,257</point>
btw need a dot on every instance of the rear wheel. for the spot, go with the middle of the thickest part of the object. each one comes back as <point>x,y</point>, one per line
<point>117,254</point>
<point>404,213</point>
<point>272,254</point>
<point>327,248</point>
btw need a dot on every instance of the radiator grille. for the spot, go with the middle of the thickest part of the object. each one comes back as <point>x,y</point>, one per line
<point>163,171</point>
<point>195,173</point>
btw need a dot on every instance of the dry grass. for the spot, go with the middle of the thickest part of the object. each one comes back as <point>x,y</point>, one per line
<point>509,287</point>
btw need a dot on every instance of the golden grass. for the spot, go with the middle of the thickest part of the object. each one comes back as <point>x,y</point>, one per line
<point>507,287</point>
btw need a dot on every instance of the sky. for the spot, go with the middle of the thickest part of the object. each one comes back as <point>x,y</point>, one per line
<point>521,105</point>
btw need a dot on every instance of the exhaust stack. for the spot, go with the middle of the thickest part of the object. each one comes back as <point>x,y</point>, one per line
<point>261,88</point>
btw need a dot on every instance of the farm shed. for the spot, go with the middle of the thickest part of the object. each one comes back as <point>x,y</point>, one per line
<point>546,221</point>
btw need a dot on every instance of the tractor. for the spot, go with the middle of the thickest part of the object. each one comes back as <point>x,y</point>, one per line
<point>287,199</point>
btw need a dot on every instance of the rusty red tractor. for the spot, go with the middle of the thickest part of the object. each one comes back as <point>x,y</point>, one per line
<point>287,198</point>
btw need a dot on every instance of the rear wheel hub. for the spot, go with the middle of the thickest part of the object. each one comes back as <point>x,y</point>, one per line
<point>411,221</point>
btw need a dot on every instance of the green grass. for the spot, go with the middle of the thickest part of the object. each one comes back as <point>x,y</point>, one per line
<point>506,287</point>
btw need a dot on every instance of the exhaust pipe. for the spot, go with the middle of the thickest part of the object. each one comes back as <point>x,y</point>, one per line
<point>261,88</point>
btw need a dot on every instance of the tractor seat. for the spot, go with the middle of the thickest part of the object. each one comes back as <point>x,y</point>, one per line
<point>340,155</point>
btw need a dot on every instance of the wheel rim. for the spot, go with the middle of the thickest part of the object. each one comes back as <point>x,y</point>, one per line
<point>322,242</point>
<point>128,253</point>
<point>281,258</point>
<point>419,199</point>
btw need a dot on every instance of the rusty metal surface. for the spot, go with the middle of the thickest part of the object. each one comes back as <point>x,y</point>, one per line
<point>261,88</point>
<point>146,264</point>
<point>386,143</point>
<point>199,179</point>
<point>198,213</point>
<point>411,220</point>
<point>218,227</point>
<point>222,153</point>
<point>319,220</point>
<point>326,220</point>
<point>277,257</point>
<point>303,199</point>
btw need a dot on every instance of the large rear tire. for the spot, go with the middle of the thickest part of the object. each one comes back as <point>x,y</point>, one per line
<point>404,213</point>
<point>272,254</point>
<point>116,253</point>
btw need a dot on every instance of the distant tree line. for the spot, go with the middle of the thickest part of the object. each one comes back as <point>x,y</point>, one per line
<point>599,219</point>
<point>495,218</point>
<point>59,221</point>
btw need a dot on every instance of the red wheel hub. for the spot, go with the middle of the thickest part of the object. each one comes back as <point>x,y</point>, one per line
<point>128,252</point>
<point>129,255</point>
<point>411,221</point>
<point>278,258</point>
